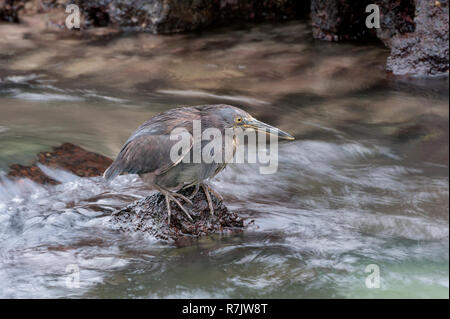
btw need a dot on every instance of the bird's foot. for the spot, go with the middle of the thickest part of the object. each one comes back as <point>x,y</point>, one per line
<point>211,190</point>
<point>207,189</point>
<point>186,199</point>
<point>171,196</point>
<point>197,187</point>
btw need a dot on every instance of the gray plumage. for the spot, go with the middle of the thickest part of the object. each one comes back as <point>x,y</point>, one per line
<point>147,151</point>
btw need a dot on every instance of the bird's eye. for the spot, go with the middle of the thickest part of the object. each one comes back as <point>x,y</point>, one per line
<point>238,119</point>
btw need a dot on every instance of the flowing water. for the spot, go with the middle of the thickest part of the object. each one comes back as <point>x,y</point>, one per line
<point>364,183</point>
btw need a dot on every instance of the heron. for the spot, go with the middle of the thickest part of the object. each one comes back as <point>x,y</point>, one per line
<point>147,152</point>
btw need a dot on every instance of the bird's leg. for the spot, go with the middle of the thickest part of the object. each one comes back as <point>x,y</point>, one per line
<point>211,190</point>
<point>171,196</point>
<point>186,199</point>
<point>208,198</point>
<point>207,189</point>
<point>197,187</point>
<point>168,209</point>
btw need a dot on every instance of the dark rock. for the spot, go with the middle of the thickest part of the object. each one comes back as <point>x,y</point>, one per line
<point>426,50</point>
<point>69,157</point>
<point>416,31</point>
<point>171,16</point>
<point>337,20</point>
<point>9,10</point>
<point>12,10</point>
<point>31,172</point>
<point>149,216</point>
<point>162,16</point>
<point>396,18</point>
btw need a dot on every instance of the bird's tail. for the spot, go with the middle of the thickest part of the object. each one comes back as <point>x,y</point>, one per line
<point>112,171</point>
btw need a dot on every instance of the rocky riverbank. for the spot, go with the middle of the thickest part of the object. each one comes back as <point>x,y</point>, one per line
<point>416,31</point>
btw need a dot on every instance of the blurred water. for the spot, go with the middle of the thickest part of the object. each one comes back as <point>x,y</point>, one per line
<point>365,182</point>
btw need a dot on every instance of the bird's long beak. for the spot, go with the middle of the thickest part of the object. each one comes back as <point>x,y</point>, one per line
<point>268,129</point>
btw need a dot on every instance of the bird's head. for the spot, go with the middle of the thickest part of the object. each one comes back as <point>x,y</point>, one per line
<point>237,118</point>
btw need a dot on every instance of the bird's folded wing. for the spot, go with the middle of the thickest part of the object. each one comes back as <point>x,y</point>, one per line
<point>148,154</point>
<point>150,147</point>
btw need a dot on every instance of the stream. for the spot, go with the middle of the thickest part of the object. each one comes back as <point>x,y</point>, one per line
<point>366,182</point>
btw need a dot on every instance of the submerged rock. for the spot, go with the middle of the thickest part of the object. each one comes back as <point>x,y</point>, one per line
<point>149,215</point>
<point>68,157</point>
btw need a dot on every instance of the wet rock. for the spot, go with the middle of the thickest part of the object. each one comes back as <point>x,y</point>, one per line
<point>337,20</point>
<point>161,16</point>
<point>426,50</point>
<point>31,172</point>
<point>149,216</point>
<point>171,16</point>
<point>416,31</point>
<point>69,157</point>
<point>9,10</point>
<point>13,10</point>
<point>396,19</point>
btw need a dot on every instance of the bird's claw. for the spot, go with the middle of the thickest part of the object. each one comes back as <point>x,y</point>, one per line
<point>171,196</point>
<point>186,199</point>
<point>207,189</point>
<point>211,190</point>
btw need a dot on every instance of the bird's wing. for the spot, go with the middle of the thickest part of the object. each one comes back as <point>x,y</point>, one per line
<point>148,150</point>
<point>145,154</point>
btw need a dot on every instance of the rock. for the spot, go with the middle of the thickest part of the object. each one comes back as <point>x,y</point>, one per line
<point>69,157</point>
<point>416,31</point>
<point>161,16</point>
<point>9,10</point>
<point>337,20</point>
<point>149,216</point>
<point>13,10</point>
<point>396,18</point>
<point>171,16</point>
<point>426,50</point>
<point>31,172</point>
